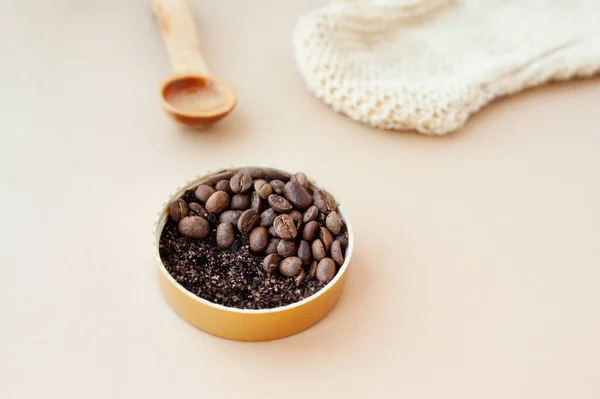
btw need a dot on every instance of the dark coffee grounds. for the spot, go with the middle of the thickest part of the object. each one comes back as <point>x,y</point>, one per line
<point>232,277</point>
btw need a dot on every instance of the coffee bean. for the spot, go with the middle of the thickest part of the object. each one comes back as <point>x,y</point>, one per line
<point>301,277</point>
<point>230,217</point>
<point>240,183</point>
<point>178,209</point>
<point>297,195</point>
<point>267,217</point>
<point>223,175</point>
<point>343,239</point>
<point>337,253</point>
<point>240,202</point>
<point>225,235</point>
<point>312,270</point>
<point>252,172</point>
<point>272,247</point>
<point>274,174</point>
<point>318,249</point>
<point>218,202</point>
<point>223,185</point>
<point>286,248</point>
<point>259,239</point>
<point>284,227</point>
<point>311,214</point>
<point>263,188</point>
<point>325,270</point>
<point>305,253</point>
<point>326,238</point>
<point>248,220</point>
<point>333,222</point>
<point>271,263</point>
<point>194,227</point>
<point>265,191</point>
<point>324,201</point>
<point>255,202</point>
<point>277,186</point>
<point>279,203</point>
<point>197,209</point>
<point>322,217</point>
<point>295,215</point>
<point>203,192</point>
<point>302,179</point>
<point>291,266</point>
<point>310,231</point>
<point>258,183</point>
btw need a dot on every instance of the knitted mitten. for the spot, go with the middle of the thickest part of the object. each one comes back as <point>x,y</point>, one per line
<point>428,65</point>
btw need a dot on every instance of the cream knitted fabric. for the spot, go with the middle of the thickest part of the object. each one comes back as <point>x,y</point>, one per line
<point>428,65</point>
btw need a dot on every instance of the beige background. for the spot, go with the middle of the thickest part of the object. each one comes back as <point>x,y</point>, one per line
<point>477,260</point>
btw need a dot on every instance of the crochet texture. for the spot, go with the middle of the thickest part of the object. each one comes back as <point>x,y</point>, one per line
<point>428,65</point>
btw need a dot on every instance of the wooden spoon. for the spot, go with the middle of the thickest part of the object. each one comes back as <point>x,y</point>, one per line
<point>190,95</point>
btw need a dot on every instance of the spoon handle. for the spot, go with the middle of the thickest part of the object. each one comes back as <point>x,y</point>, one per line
<point>176,23</point>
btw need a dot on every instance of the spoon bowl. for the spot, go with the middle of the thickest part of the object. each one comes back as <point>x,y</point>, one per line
<point>196,100</point>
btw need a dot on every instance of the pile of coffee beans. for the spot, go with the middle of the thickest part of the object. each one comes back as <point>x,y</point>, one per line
<point>282,216</point>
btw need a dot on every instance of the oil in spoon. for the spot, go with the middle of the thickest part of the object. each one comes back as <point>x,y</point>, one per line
<point>195,95</point>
